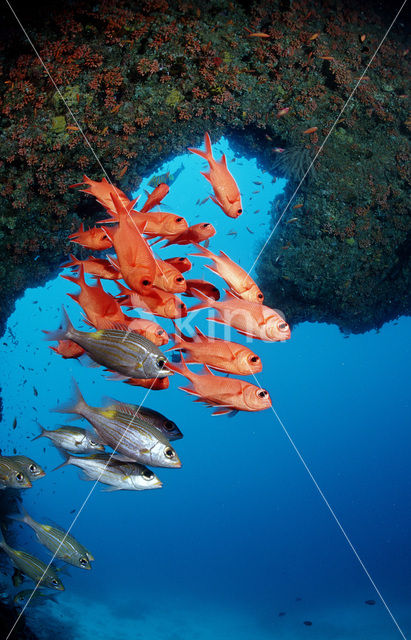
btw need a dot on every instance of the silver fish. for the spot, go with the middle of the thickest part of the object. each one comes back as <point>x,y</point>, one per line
<point>73,439</point>
<point>125,352</point>
<point>119,474</point>
<point>36,599</point>
<point>12,475</point>
<point>126,432</point>
<point>31,468</point>
<point>60,543</point>
<point>33,567</point>
<point>154,419</point>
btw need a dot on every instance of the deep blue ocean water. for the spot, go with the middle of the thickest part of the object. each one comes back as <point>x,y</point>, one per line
<point>240,534</point>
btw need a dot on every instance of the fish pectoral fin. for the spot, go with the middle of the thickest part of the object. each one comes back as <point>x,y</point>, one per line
<point>110,489</point>
<point>217,202</point>
<point>206,175</point>
<point>222,412</point>
<point>117,376</point>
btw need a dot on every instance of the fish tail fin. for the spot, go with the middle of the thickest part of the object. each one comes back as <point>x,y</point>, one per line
<point>23,516</point>
<point>182,369</point>
<point>42,429</point>
<point>76,405</point>
<point>65,333</point>
<point>206,301</point>
<point>66,461</point>
<point>208,153</point>
<point>74,262</point>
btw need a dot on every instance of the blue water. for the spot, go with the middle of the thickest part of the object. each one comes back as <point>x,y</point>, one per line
<point>241,532</point>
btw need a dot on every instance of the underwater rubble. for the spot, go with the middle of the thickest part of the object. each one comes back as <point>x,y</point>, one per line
<point>144,80</point>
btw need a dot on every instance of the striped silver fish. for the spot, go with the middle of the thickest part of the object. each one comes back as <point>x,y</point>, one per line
<point>119,474</point>
<point>126,352</point>
<point>33,567</point>
<point>154,418</point>
<point>12,475</point>
<point>31,468</point>
<point>70,550</point>
<point>126,432</point>
<point>35,599</point>
<point>73,439</point>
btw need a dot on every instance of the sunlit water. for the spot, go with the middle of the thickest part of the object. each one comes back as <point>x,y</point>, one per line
<point>240,534</point>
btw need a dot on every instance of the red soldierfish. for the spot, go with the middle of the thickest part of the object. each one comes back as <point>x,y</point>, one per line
<point>95,267</point>
<point>195,234</point>
<point>237,279</point>
<point>168,278</point>
<point>95,238</point>
<point>218,354</point>
<point>99,306</point>
<point>135,258</point>
<point>156,301</point>
<point>202,285</point>
<point>68,349</point>
<point>182,264</point>
<point>155,197</point>
<point>227,194</point>
<point>249,318</point>
<point>230,393</point>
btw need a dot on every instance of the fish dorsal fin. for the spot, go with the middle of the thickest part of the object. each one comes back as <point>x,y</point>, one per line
<point>280,313</point>
<point>223,161</point>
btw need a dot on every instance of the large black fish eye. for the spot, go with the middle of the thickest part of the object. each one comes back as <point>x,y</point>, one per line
<point>254,358</point>
<point>146,283</point>
<point>206,224</point>
<point>147,474</point>
<point>19,477</point>
<point>161,362</point>
<point>181,259</point>
<point>169,425</point>
<point>83,561</point>
<point>239,211</point>
<point>169,453</point>
<point>54,581</point>
<point>260,295</point>
<point>262,393</point>
<point>179,219</point>
<point>180,279</point>
<point>283,325</point>
<point>32,468</point>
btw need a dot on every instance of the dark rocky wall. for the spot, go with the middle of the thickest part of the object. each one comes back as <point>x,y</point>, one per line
<point>145,79</point>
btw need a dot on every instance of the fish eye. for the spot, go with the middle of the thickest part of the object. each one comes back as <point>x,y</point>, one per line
<point>260,296</point>
<point>147,474</point>
<point>161,362</point>
<point>159,332</point>
<point>206,224</point>
<point>181,259</point>
<point>254,359</point>
<point>179,219</point>
<point>19,477</point>
<point>181,306</point>
<point>32,468</point>
<point>146,283</point>
<point>262,393</point>
<point>283,326</point>
<point>239,211</point>
<point>54,581</point>
<point>83,561</point>
<point>169,425</point>
<point>93,443</point>
<point>169,453</point>
<point>179,279</point>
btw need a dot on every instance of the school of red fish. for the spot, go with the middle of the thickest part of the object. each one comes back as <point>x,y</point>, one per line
<point>128,346</point>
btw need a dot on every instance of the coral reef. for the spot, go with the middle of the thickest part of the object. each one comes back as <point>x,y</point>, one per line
<point>144,80</point>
